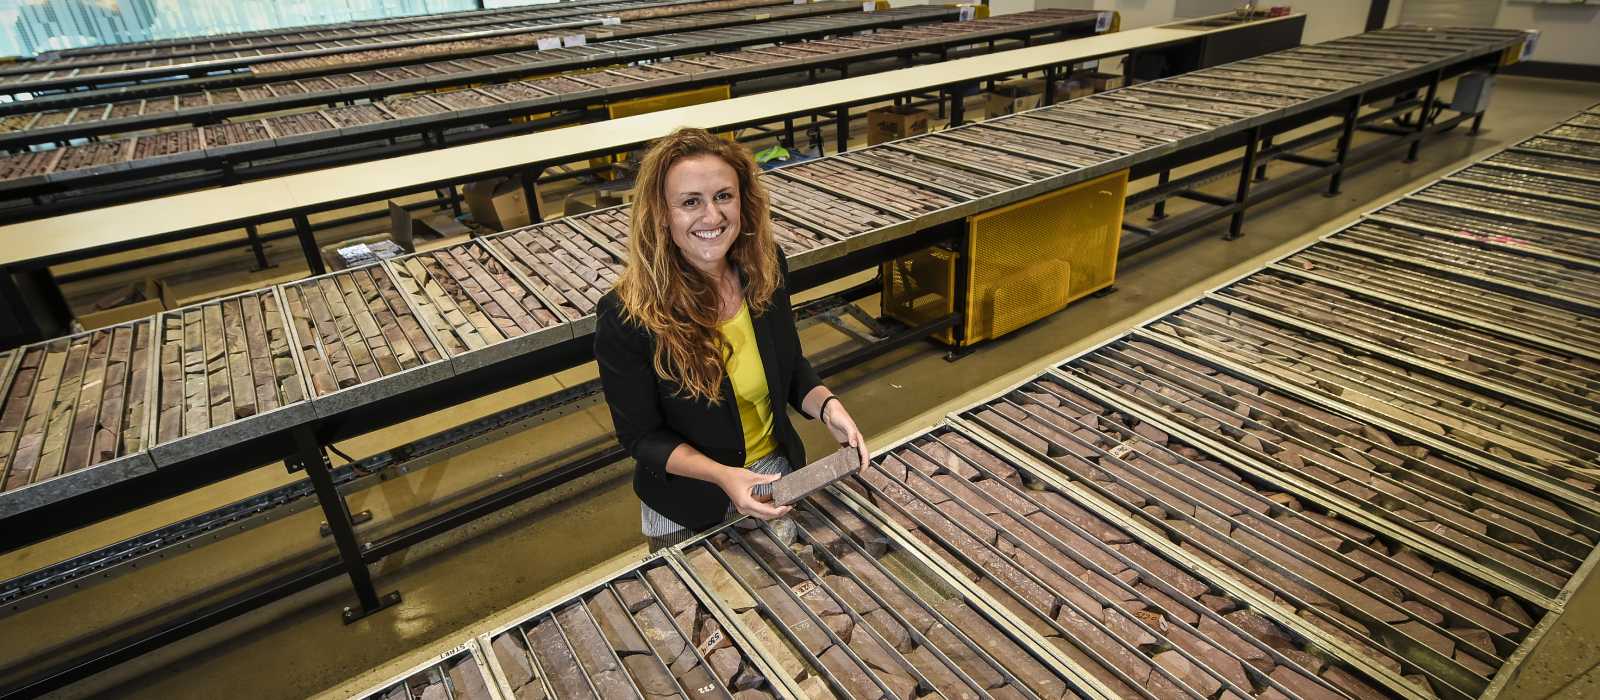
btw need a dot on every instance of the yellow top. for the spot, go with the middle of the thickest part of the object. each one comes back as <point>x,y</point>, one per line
<point>749,378</point>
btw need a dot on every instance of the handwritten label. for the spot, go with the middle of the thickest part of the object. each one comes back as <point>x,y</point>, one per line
<point>549,42</point>
<point>968,12</point>
<point>574,40</point>
<point>610,21</point>
<point>804,587</point>
<point>712,640</point>
<point>1102,23</point>
<point>869,6</point>
<point>1529,42</point>
<point>457,649</point>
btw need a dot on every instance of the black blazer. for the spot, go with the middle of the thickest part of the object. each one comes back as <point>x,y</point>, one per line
<point>651,422</point>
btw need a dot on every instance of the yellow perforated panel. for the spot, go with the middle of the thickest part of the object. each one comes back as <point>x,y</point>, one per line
<point>1034,257</point>
<point>1028,260</point>
<point>920,288</point>
<point>672,100</point>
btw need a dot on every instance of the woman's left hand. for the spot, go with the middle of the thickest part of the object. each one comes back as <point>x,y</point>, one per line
<point>844,428</point>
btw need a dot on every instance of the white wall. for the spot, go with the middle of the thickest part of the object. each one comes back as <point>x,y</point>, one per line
<point>1006,7</point>
<point>1140,13</point>
<point>1568,33</point>
<point>1330,19</point>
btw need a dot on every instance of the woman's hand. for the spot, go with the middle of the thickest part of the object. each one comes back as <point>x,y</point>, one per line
<point>737,483</point>
<point>844,428</point>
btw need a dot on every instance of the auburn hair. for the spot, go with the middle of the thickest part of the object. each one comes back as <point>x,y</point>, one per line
<point>672,299</point>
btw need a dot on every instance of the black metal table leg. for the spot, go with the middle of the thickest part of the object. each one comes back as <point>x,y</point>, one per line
<point>1049,85</point>
<point>455,200</point>
<point>841,129</point>
<point>311,457</point>
<point>1261,170</point>
<point>788,132</point>
<point>1236,224</point>
<point>963,287</point>
<point>254,237</point>
<point>1352,115</point>
<point>958,105</point>
<point>308,244</point>
<point>1160,210</point>
<point>530,192</point>
<point>1422,118</point>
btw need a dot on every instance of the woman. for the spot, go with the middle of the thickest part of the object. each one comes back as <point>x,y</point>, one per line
<point>697,344</point>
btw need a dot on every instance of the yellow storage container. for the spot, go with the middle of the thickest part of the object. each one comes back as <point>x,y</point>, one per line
<point>671,100</point>
<point>1027,260</point>
<point>919,288</point>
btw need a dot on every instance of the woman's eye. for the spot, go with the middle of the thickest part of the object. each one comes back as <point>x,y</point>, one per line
<point>724,196</point>
<point>691,203</point>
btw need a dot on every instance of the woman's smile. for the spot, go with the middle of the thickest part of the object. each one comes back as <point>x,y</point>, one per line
<point>702,193</point>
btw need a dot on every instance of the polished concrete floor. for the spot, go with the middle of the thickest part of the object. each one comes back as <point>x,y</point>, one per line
<point>489,572</point>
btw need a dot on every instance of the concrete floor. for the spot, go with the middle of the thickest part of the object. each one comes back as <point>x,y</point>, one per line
<point>490,572</point>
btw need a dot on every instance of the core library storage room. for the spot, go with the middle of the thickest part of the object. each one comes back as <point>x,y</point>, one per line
<point>757,349</point>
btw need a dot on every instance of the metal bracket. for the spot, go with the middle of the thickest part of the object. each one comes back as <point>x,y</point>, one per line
<point>836,318</point>
<point>351,614</point>
<point>313,457</point>
<point>323,530</point>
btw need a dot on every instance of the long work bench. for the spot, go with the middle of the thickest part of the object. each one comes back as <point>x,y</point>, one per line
<point>1359,471</point>
<point>220,153</point>
<point>92,71</point>
<point>74,115</point>
<point>31,247</point>
<point>213,389</point>
<point>224,386</point>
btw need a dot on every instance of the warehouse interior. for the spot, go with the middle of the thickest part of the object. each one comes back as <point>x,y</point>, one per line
<point>1379,262</point>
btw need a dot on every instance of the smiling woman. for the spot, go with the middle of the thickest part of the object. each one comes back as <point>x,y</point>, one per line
<point>697,344</point>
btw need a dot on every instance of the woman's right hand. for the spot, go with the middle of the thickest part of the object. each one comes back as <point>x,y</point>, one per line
<point>737,483</point>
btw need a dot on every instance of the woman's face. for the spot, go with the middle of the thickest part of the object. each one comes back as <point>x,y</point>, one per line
<point>703,209</point>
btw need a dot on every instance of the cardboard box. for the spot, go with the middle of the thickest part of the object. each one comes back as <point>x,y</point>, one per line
<point>498,202</point>
<point>1099,82</point>
<point>182,290</point>
<point>405,227</point>
<point>605,195</point>
<point>890,123</point>
<point>1014,96</point>
<point>1072,89</point>
<point>133,301</point>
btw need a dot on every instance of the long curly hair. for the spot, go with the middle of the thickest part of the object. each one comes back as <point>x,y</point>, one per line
<point>674,300</point>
